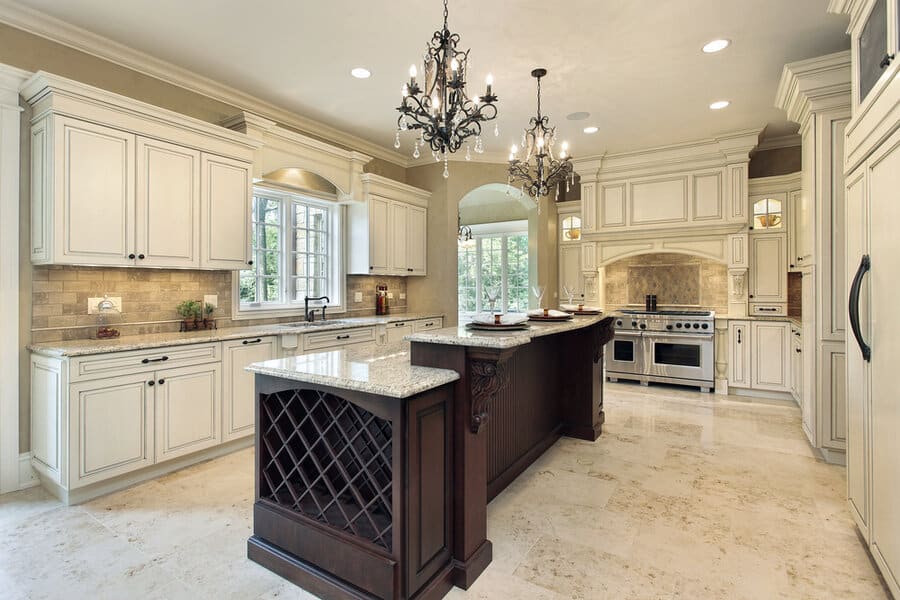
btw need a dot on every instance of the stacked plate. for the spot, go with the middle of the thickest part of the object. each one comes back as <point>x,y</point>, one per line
<point>489,322</point>
<point>580,309</point>
<point>548,315</point>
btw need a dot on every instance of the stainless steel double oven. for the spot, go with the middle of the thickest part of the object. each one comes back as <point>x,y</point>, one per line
<point>665,346</point>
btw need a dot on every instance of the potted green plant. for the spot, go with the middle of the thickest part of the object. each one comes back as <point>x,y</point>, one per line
<point>208,321</point>
<point>190,311</point>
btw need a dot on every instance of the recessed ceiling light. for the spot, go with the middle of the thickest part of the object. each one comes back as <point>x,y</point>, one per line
<point>591,129</point>
<point>719,105</point>
<point>361,73</point>
<point>716,46</point>
<point>578,116</point>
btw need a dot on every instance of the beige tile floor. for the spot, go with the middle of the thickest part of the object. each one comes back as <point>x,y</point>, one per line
<point>685,496</point>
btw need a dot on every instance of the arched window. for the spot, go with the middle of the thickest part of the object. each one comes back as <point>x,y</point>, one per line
<point>767,214</point>
<point>571,229</point>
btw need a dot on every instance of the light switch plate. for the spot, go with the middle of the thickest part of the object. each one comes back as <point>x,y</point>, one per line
<point>403,295</point>
<point>357,297</point>
<point>93,302</point>
<point>390,295</point>
<point>211,299</point>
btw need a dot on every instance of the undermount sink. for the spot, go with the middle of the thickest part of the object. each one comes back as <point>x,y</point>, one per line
<point>314,323</point>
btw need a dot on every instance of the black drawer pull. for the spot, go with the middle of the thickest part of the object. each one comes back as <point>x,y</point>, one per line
<point>410,270</point>
<point>150,360</point>
<point>798,350</point>
<point>141,256</point>
<point>343,337</point>
<point>399,324</point>
<point>131,256</point>
<point>428,324</point>
<point>886,61</point>
<point>256,341</point>
<point>151,382</point>
<point>161,381</point>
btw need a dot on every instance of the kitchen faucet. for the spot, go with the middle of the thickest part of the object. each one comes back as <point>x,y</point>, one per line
<point>311,314</point>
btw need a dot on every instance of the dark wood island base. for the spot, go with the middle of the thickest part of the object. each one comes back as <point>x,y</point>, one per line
<point>384,495</point>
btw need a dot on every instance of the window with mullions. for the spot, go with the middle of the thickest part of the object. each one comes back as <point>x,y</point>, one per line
<point>493,265</point>
<point>295,252</point>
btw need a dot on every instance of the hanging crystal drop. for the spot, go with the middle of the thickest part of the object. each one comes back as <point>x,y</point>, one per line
<point>403,125</point>
<point>496,129</point>
<point>416,150</point>
<point>397,140</point>
<point>468,153</point>
<point>446,167</point>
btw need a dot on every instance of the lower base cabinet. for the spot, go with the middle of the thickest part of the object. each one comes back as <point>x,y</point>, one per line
<point>759,355</point>
<point>238,405</point>
<point>187,404</point>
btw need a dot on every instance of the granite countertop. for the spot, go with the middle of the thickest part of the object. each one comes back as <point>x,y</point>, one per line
<point>460,336</point>
<point>164,340</point>
<point>385,371</point>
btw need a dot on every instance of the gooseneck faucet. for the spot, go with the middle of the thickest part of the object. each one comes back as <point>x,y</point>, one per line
<point>311,314</point>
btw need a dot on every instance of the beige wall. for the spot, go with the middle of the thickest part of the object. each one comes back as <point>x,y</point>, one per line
<point>438,291</point>
<point>680,282</point>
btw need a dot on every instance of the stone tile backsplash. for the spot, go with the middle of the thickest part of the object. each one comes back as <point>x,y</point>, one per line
<point>149,297</point>
<point>679,281</point>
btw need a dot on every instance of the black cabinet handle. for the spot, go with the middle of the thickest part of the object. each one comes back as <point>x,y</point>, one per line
<point>739,336</point>
<point>853,306</point>
<point>791,266</point>
<point>799,259</point>
<point>428,324</point>
<point>141,256</point>
<point>343,337</point>
<point>256,341</point>
<point>797,350</point>
<point>131,256</point>
<point>151,382</point>
<point>250,262</point>
<point>399,324</point>
<point>751,295</point>
<point>370,268</point>
<point>150,360</point>
<point>410,270</point>
<point>161,381</point>
<point>886,61</point>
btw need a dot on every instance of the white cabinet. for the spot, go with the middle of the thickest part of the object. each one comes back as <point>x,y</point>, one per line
<point>739,354</point>
<point>187,405</point>
<point>83,191</point>
<point>570,275</point>
<point>796,364</point>
<point>226,190</point>
<point>768,268</point>
<point>387,233</point>
<point>168,205</point>
<point>115,182</point>
<point>238,395</point>
<point>769,358</point>
<point>793,203</point>
<point>759,355</point>
<point>428,324</point>
<point>111,427</point>
<point>397,331</point>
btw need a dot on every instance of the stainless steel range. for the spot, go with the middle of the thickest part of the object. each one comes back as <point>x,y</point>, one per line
<point>667,346</point>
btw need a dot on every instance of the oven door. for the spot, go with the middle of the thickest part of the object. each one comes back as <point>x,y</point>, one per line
<point>625,354</point>
<point>680,356</point>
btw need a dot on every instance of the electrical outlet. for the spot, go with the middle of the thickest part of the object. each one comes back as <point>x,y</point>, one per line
<point>93,302</point>
<point>211,299</point>
<point>403,295</point>
<point>357,297</point>
<point>390,295</point>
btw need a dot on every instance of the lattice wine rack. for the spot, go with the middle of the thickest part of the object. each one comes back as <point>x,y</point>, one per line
<point>329,460</point>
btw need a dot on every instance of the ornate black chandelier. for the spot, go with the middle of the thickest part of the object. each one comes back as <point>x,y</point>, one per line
<point>442,113</point>
<point>547,172</point>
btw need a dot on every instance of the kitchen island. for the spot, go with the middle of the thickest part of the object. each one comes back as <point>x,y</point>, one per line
<point>374,468</point>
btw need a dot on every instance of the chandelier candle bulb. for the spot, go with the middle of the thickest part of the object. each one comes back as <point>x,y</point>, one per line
<point>412,76</point>
<point>490,82</point>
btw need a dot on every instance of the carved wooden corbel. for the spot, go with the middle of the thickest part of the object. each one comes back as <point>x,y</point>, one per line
<point>488,378</point>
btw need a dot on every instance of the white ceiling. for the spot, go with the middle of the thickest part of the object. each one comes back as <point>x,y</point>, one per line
<point>635,65</point>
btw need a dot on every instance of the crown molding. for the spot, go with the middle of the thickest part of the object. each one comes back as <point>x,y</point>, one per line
<point>383,186</point>
<point>11,80</point>
<point>56,30</point>
<point>814,84</point>
<point>775,183</point>
<point>852,8</point>
<point>781,141</point>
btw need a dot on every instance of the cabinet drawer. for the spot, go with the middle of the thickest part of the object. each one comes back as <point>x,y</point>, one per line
<point>426,324</point>
<point>777,310</point>
<point>122,363</point>
<point>324,340</point>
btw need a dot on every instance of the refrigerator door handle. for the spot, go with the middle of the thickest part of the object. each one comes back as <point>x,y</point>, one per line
<point>853,306</point>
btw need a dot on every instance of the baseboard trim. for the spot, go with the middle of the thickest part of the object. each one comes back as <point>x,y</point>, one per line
<point>27,477</point>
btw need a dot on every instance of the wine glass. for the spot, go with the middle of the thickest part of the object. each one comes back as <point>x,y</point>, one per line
<point>538,291</point>
<point>492,294</point>
<point>569,291</point>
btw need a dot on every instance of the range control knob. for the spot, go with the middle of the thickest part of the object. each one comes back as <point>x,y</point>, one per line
<point>619,323</point>
<point>643,326</point>
<point>705,326</point>
<point>634,323</point>
<point>696,325</point>
<point>678,325</point>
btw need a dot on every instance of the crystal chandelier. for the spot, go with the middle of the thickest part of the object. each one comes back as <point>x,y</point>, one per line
<point>442,113</point>
<point>539,171</point>
<point>463,232</point>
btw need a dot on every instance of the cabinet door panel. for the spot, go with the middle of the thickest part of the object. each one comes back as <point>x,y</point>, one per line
<point>770,362</point>
<point>110,427</point>
<point>225,213</point>
<point>397,331</point>
<point>570,270</point>
<point>168,205</point>
<point>768,273</point>
<point>739,354</point>
<point>187,410</point>
<point>238,395</point>
<point>417,243</point>
<point>399,238</point>
<point>379,235</point>
<point>95,193</point>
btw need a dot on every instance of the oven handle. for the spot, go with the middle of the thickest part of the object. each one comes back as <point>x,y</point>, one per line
<point>669,336</point>
<point>628,333</point>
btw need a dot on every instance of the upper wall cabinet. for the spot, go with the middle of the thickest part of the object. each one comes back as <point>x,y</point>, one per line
<point>117,182</point>
<point>387,233</point>
<point>700,185</point>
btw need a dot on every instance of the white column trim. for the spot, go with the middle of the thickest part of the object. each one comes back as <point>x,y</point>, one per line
<point>10,80</point>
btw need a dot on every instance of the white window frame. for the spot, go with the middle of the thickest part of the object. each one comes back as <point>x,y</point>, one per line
<point>489,230</point>
<point>337,274</point>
